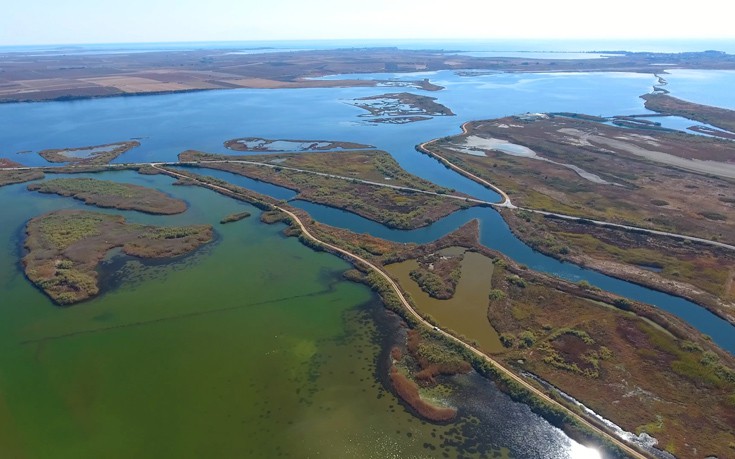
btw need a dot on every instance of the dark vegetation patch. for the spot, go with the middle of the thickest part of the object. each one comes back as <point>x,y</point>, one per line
<point>438,275</point>
<point>713,216</point>
<point>234,217</point>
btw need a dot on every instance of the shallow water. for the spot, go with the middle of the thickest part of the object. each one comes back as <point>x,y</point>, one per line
<point>195,357</point>
<point>466,312</point>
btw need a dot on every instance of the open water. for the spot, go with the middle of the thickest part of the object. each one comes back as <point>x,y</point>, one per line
<point>254,346</point>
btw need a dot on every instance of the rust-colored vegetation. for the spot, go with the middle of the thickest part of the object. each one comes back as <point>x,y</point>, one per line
<point>409,392</point>
<point>64,248</point>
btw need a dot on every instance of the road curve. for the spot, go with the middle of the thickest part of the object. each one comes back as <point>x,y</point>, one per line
<point>506,199</point>
<point>506,203</point>
<point>295,219</point>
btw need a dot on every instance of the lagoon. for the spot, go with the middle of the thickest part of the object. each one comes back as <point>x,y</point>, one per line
<point>196,356</point>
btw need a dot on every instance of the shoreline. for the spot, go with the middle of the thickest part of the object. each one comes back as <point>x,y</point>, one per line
<point>653,286</point>
<point>422,148</point>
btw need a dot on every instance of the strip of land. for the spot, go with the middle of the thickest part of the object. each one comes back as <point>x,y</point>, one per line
<point>114,195</point>
<point>389,200</point>
<point>259,144</point>
<point>33,77</point>
<point>718,117</point>
<point>13,176</point>
<point>96,154</point>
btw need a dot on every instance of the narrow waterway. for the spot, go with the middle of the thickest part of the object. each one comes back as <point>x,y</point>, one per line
<point>495,234</point>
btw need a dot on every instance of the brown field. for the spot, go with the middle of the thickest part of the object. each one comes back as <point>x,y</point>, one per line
<point>701,273</point>
<point>134,84</point>
<point>626,369</point>
<point>32,78</point>
<point>628,188</point>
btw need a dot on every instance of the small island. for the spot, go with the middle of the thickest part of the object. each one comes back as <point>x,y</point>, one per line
<point>96,154</point>
<point>260,144</point>
<point>236,217</point>
<point>401,108</point>
<point>413,373</point>
<point>65,248</point>
<point>114,195</point>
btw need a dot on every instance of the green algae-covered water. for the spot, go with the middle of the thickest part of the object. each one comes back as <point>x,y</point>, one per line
<point>253,346</point>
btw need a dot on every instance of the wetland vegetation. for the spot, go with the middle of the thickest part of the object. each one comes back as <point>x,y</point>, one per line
<point>668,105</point>
<point>96,154</point>
<point>114,195</point>
<point>258,144</point>
<point>339,366</point>
<point>393,207</point>
<point>611,181</point>
<point>700,272</point>
<point>401,107</point>
<point>65,248</point>
<point>626,368</point>
<point>234,217</point>
<point>10,177</point>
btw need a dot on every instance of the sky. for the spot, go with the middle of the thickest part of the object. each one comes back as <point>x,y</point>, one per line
<point>36,22</point>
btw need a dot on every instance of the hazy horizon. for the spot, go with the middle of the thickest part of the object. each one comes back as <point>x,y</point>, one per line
<point>447,44</point>
<point>45,22</point>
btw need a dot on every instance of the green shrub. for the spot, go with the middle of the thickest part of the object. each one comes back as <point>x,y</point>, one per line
<point>527,339</point>
<point>496,294</point>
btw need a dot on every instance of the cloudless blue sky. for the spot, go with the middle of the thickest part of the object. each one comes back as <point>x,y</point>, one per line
<point>95,21</point>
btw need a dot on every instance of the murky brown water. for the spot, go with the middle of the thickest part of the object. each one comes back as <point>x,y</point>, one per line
<point>466,312</point>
